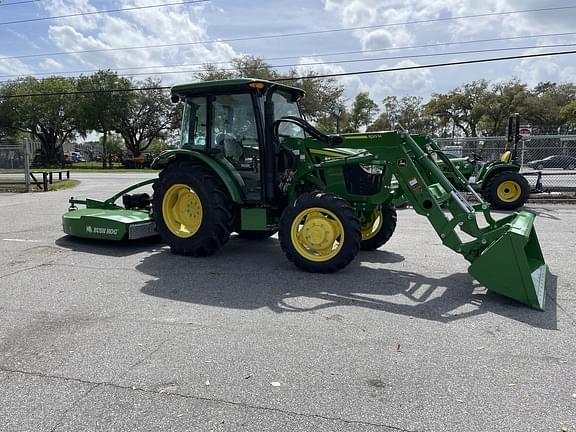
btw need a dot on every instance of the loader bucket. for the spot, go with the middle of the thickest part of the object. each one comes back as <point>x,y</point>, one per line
<point>513,265</point>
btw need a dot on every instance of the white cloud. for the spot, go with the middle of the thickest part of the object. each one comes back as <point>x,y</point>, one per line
<point>352,84</point>
<point>145,27</point>
<point>51,65</point>
<point>13,67</point>
<point>416,82</point>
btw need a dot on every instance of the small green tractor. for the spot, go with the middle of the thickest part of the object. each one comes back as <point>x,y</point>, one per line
<point>249,163</point>
<point>500,181</point>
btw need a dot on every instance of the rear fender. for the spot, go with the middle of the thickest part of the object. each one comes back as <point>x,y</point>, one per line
<point>230,178</point>
<point>494,168</point>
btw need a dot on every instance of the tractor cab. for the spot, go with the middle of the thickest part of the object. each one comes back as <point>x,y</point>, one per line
<point>226,120</point>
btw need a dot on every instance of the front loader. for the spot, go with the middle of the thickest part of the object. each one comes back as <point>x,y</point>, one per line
<point>249,163</point>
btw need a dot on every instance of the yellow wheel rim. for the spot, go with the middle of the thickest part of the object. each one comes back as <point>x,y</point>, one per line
<point>373,225</point>
<point>317,234</point>
<point>509,191</point>
<point>182,210</point>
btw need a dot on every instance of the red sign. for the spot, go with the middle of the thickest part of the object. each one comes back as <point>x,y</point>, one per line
<point>525,131</point>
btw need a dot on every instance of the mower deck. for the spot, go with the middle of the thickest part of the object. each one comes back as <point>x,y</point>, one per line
<point>109,224</point>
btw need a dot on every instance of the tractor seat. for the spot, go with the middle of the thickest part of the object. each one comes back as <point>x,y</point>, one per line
<point>506,156</point>
<point>231,146</point>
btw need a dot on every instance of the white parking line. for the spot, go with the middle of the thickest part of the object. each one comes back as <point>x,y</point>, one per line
<point>21,240</point>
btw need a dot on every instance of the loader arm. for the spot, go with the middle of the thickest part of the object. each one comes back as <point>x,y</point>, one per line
<point>504,254</point>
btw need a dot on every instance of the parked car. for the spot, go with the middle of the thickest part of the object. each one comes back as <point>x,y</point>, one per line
<point>554,161</point>
<point>77,157</point>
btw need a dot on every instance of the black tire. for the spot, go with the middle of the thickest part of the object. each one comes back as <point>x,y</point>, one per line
<point>256,235</point>
<point>385,231</point>
<point>516,200</point>
<point>570,167</point>
<point>345,216</point>
<point>539,167</point>
<point>217,208</point>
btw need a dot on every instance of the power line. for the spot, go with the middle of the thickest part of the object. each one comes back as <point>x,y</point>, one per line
<point>279,35</point>
<point>333,75</point>
<point>430,66</point>
<point>362,60</point>
<point>101,12</point>
<point>311,55</point>
<point>19,2</point>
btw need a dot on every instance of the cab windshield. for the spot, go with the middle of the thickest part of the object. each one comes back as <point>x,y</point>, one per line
<point>283,106</point>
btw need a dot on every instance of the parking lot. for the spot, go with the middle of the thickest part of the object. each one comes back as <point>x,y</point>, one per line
<point>129,337</point>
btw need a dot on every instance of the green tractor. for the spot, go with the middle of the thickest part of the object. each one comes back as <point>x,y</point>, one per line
<point>499,182</point>
<point>249,163</point>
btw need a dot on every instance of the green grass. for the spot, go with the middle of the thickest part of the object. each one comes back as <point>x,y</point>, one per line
<point>64,184</point>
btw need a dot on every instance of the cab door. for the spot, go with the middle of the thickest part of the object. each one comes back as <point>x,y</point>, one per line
<point>235,131</point>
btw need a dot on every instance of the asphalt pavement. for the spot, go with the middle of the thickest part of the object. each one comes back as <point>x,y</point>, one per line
<point>99,336</point>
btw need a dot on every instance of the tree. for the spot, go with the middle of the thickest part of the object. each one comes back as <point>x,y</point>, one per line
<point>503,99</point>
<point>334,122</point>
<point>460,108</point>
<point>407,111</point>
<point>103,98</point>
<point>50,117</point>
<point>322,94</point>
<point>544,104</point>
<point>148,116</point>
<point>212,72</point>
<point>568,113</point>
<point>362,112</point>
<point>241,67</point>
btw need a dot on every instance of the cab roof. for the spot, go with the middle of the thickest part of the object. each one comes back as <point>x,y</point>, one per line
<point>231,86</point>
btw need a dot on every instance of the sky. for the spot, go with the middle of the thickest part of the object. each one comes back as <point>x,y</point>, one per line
<point>204,32</point>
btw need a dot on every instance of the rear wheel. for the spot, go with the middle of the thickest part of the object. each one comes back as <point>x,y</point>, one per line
<point>192,209</point>
<point>320,233</point>
<point>378,227</point>
<point>507,191</point>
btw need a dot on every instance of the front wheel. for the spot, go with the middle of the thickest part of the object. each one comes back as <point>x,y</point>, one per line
<point>320,232</point>
<point>378,227</point>
<point>507,191</point>
<point>192,209</point>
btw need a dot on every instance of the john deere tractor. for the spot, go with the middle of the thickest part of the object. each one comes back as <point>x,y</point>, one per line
<point>500,181</point>
<point>249,163</point>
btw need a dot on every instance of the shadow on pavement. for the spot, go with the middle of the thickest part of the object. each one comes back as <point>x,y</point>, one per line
<point>109,248</point>
<point>251,275</point>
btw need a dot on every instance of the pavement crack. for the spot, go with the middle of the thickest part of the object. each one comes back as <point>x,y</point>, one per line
<point>570,317</point>
<point>22,270</point>
<point>96,384</point>
<point>143,359</point>
<point>72,405</point>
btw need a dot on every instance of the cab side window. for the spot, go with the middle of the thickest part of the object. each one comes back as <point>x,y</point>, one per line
<point>194,122</point>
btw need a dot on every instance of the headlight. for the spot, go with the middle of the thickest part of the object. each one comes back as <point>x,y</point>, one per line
<point>373,169</point>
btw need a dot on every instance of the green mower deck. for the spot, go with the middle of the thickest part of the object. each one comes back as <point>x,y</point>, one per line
<point>106,224</point>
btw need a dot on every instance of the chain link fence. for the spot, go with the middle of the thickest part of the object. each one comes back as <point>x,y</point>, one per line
<point>15,165</point>
<point>550,158</point>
